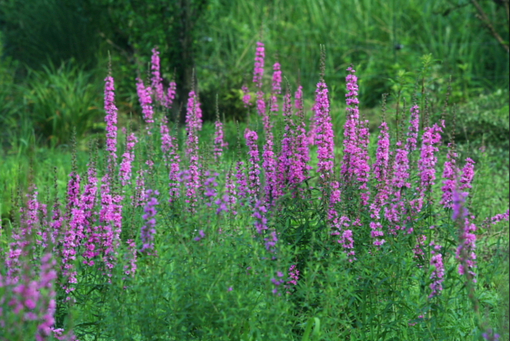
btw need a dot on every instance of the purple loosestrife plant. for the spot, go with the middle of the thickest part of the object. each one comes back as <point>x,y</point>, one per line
<point>414,127</point>
<point>468,172</point>
<point>46,283</point>
<point>467,239</point>
<point>210,186</point>
<point>277,282</point>
<point>428,158</point>
<point>399,180</point>
<point>127,160</point>
<point>231,192</point>
<point>490,335</point>
<point>32,221</point>
<point>170,149</point>
<point>259,213</point>
<point>301,153</point>
<point>130,269</point>
<point>74,233</point>
<point>166,139</point>
<point>193,125</point>
<point>30,300</point>
<point>138,199</point>
<point>254,167</point>
<point>500,217</point>
<point>450,173</point>
<point>172,88</point>
<point>323,136</point>
<point>362,166</point>
<point>110,218</point>
<point>357,137</point>
<point>156,80</point>
<point>16,249</point>
<point>201,235</point>
<point>285,160</point>
<point>437,276</point>
<point>268,155</point>
<point>149,229</point>
<point>219,140</point>
<point>380,173</point>
<point>145,98</point>
<point>351,127</point>
<point>276,87</point>
<point>110,118</point>
<point>241,181</point>
<point>293,275</point>
<point>258,74</point>
<point>246,96</point>
<point>271,240</point>
<point>258,71</point>
<point>43,231</point>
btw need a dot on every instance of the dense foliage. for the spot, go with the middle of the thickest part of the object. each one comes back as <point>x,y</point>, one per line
<point>294,231</point>
<point>213,39</point>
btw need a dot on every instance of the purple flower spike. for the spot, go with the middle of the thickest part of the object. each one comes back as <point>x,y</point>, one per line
<point>149,229</point>
<point>111,117</point>
<point>323,134</point>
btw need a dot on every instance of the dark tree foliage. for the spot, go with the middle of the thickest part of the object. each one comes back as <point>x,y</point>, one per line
<point>136,26</point>
<point>49,32</point>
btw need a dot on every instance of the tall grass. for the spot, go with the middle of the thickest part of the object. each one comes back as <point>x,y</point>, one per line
<point>365,33</point>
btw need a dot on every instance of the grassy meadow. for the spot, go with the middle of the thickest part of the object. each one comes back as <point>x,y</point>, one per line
<point>268,188</point>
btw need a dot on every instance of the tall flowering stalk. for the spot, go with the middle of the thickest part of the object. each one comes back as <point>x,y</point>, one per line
<point>219,139</point>
<point>170,149</point>
<point>285,160</point>
<point>268,155</point>
<point>241,181</point>
<point>362,167</point>
<point>92,236</point>
<point>357,137</point>
<point>156,80</point>
<point>276,86</point>
<point>74,232</point>
<point>467,239</point>
<point>301,153</point>
<point>450,172</point>
<point>172,89</point>
<point>380,173</point>
<point>428,159</point>
<point>17,248</point>
<point>193,125</point>
<point>253,181</point>
<point>130,269</point>
<point>145,98</point>
<point>149,229</point>
<point>414,127</point>
<point>127,159</point>
<point>399,181</point>
<point>437,276</point>
<point>258,74</point>
<point>468,172</point>
<point>166,139</point>
<point>323,135</point>
<point>111,117</point>
<point>231,192</point>
<point>351,127</point>
<point>110,216</point>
